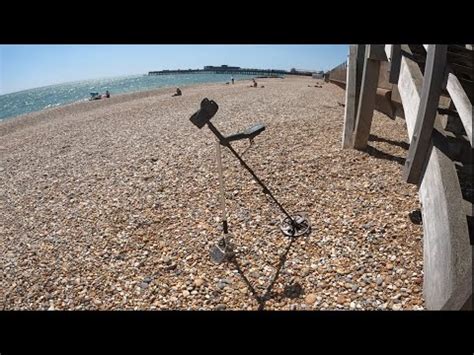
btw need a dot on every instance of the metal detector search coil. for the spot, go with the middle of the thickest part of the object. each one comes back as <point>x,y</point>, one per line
<point>297,227</point>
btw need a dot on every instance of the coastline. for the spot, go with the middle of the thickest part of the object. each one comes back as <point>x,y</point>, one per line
<point>126,96</point>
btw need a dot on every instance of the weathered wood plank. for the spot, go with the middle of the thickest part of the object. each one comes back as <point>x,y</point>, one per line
<point>377,52</point>
<point>361,49</point>
<point>462,103</point>
<point>447,250</point>
<point>461,58</point>
<point>462,71</point>
<point>366,107</point>
<point>427,110</point>
<point>395,58</point>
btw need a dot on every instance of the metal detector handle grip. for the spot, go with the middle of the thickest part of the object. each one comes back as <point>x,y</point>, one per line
<point>205,113</point>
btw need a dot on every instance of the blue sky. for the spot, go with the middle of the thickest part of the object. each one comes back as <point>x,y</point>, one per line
<point>28,66</point>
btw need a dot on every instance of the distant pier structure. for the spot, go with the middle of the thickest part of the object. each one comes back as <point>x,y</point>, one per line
<point>225,69</point>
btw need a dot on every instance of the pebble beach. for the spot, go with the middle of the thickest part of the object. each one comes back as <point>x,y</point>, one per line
<point>114,205</point>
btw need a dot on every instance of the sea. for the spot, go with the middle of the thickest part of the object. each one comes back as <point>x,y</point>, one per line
<point>37,99</point>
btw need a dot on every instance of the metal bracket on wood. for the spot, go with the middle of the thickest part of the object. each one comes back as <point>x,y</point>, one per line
<point>427,110</point>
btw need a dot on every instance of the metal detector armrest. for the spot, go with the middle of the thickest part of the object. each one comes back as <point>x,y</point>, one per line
<point>249,133</point>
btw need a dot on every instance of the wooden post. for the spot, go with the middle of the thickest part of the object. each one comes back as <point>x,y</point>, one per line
<point>351,97</point>
<point>432,84</point>
<point>361,48</point>
<point>395,60</point>
<point>365,111</point>
<point>377,52</point>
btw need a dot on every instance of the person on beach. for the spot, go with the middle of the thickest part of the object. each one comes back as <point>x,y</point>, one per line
<point>107,94</point>
<point>178,92</point>
<point>254,83</point>
<point>95,96</point>
<point>232,79</point>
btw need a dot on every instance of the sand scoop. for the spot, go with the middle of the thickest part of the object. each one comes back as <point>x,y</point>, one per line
<point>294,225</point>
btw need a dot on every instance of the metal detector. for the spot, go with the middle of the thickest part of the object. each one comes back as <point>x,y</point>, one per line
<point>292,225</point>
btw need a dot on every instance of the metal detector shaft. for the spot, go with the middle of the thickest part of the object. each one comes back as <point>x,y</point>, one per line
<point>221,187</point>
<point>223,141</point>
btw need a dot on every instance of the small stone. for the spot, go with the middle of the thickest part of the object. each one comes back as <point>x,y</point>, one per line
<point>310,299</point>
<point>389,266</point>
<point>198,282</point>
<point>220,307</point>
<point>367,225</point>
<point>379,280</point>
<point>223,283</point>
<point>341,299</point>
<point>171,267</point>
<point>305,271</point>
<point>396,307</point>
<point>186,293</point>
<point>148,279</point>
<point>143,285</point>
<point>352,305</point>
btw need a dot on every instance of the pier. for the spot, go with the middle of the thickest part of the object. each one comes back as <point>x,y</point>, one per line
<point>224,69</point>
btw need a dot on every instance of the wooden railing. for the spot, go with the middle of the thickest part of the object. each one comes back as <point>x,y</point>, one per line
<point>434,86</point>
